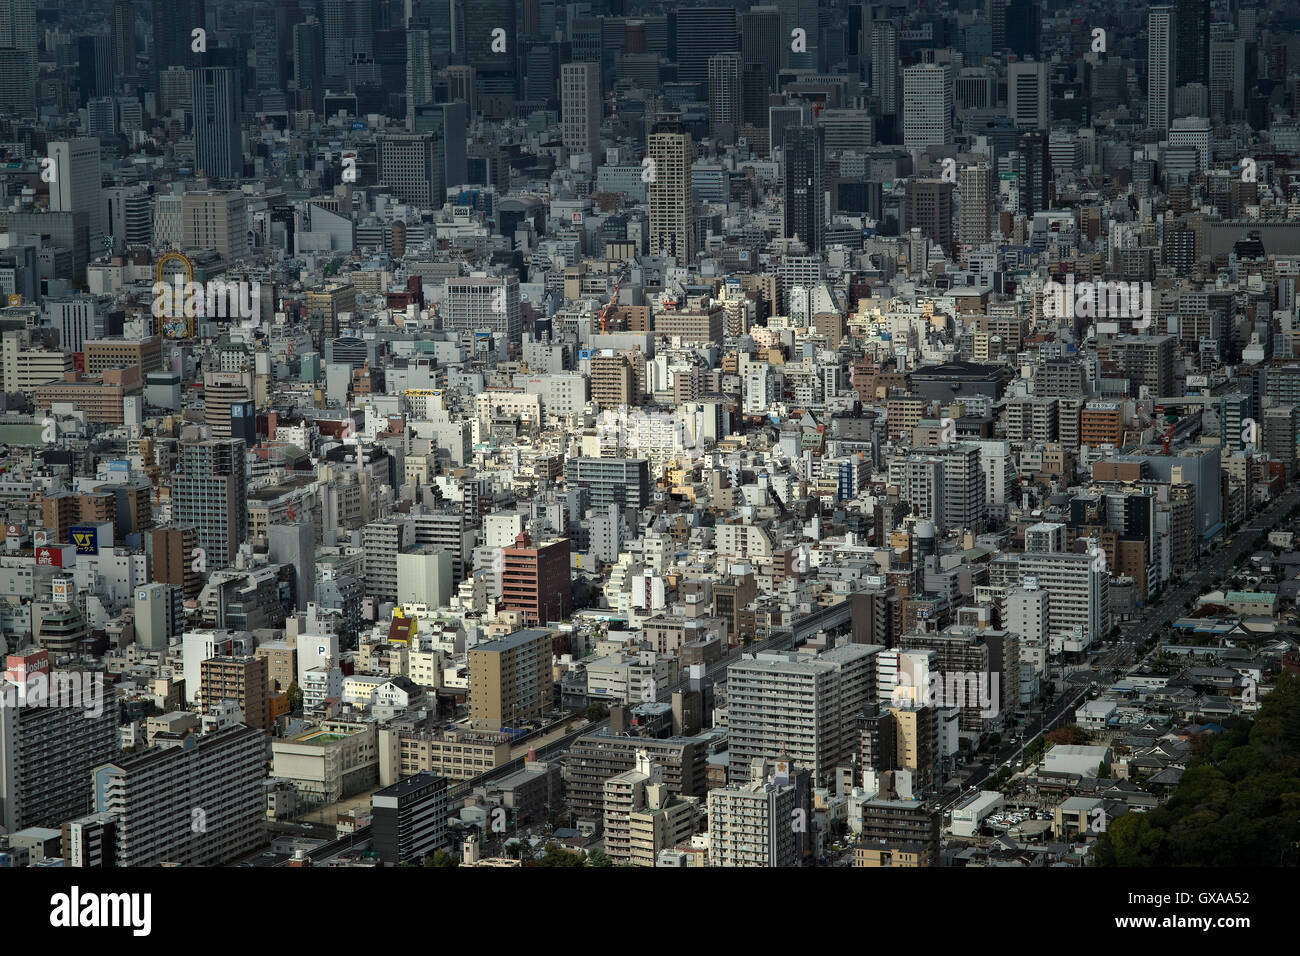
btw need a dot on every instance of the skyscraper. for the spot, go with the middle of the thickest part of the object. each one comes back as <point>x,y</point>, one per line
<point>18,81</point>
<point>884,64</point>
<point>725,101</point>
<point>760,45</point>
<point>1192,42</point>
<point>349,30</point>
<point>218,143</point>
<point>1027,98</point>
<point>492,55</point>
<point>419,73</point>
<point>805,158</point>
<point>701,33</point>
<point>173,24</point>
<point>95,66</point>
<point>1160,68</point>
<point>1024,28</point>
<point>671,219</point>
<point>266,48</point>
<point>927,105</point>
<point>76,184</point>
<point>975,191</point>
<point>18,24</point>
<point>123,34</point>
<point>580,106</point>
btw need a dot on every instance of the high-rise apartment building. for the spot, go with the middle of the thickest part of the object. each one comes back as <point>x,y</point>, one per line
<point>409,818</point>
<point>510,680</point>
<point>239,679</point>
<point>781,706</point>
<point>535,579</point>
<point>198,805</point>
<point>672,222</point>
<point>210,492</point>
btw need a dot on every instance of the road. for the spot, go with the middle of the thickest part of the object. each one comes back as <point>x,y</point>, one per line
<point>1165,609</point>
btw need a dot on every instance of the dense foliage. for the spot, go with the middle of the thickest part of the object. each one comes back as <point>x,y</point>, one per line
<point>1238,804</point>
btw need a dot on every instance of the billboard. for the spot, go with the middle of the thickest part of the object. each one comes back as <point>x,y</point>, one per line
<point>49,557</point>
<point>85,538</point>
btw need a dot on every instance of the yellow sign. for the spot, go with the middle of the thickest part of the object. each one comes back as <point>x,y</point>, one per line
<point>173,326</point>
<point>15,298</point>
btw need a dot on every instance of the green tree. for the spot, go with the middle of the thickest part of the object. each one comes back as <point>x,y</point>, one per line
<point>599,857</point>
<point>440,858</point>
<point>294,693</point>
<point>553,855</point>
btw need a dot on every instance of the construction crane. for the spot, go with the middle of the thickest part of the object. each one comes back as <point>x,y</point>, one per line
<point>613,300</point>
<point>1168,437</point>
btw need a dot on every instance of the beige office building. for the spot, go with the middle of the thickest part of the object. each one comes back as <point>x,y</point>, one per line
<point>510,680</point>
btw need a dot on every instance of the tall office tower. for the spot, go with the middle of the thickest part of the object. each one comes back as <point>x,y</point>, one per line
<point>173,24</point>
<point>1160,68</point>
<point>701,33</point>
<point>975,191</point>
<point>927,205</point>
<point>510,680</point>
<point>101,117</point>
<point>446,122</point>
<point>884,64</point>
<point>239,679</point>
<point>799,15</point>
<point>18,81</point>
<point>309,58</point>
<point>1078,597</point>
<point>1024,28</point>
<point>76,184</point>
<point>18,24</point>
<point>266,48</point>
<point>437,18</point>
<point>995,11</point>
<point>419,73</point>
<point>725,102</point>
<point>409,818</point>
<point>749,824</point>
<point>484,304</point>
<point>156,798</point>
<point>215,219</point>
<point>1027,97</point>
<point>580,108</point>
<point>805,204</point>
<point>781,706</point>
<point>218,143</point>
<point>535,579</point>
<point>1033,167</point>
<point>408,166</point>
<point>94,66</point>
<point>349,30</point>
<point>927,105</point>
<point>761,45</point>
<point>672,223</point>
<point>495,72</point>
<point>46,753</point>
<point>1232,74</point>
<point>1192,42</point>
<point>209,492</point>
<point>124,38</point>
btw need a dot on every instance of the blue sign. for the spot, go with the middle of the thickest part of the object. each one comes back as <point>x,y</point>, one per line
<point>357,124</point>
<point>584,354</point>
<point>85,538</point>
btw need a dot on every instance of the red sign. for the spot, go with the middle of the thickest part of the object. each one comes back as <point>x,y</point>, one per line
<point>49,557</point>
